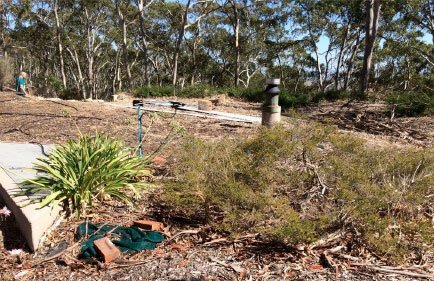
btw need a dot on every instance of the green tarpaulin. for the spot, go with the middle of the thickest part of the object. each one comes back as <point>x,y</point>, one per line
<point>130,239</point>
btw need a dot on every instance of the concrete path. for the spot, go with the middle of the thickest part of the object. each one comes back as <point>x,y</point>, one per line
<point>15,162</point>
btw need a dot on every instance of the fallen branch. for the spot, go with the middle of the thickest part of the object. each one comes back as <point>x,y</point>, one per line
<point>7,100</point>
<point>67,105</point>
<point>10,89</point>
<point>59,254</point>
<point>394,271</point>
<point>50,115</point>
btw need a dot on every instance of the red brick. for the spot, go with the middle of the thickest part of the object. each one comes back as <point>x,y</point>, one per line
<point>149,225</point>
<point>159,161</point>
<point>106,249</point>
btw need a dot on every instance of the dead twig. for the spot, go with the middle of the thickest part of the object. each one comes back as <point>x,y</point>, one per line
<point>236,268</point>
<point>59,254</point>
<point>315,171</point>
<point>130,264</point>
<point>192,231</point>
<point>215,241</point>
<point>416,171</point>
<point>331,239</point>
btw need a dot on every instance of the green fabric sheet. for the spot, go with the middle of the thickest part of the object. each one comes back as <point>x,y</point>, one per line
<point>131,239</point>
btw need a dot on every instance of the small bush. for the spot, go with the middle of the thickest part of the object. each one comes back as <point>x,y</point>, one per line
<point>412,103</point>
<point>291,100</point>
<point>6,71</point>
<point>330,95</point>
<point>54,83</point>
<point>83,171</point>
<point>193,91</point>
<point>70,94</point>
<point>154,91</point>
<point>197,91</point>
<point>250,94</point>
<point>248,181</point>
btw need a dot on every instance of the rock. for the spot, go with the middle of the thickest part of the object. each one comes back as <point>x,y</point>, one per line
<point>205,105</point>
<point>159,161</point>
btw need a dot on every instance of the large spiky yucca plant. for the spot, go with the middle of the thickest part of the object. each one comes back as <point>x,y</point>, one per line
<point>84,170</point>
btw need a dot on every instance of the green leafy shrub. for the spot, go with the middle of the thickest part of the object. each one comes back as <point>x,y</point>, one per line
<point>286,99</point>
<point>386,194</point>
<point>412,103</point>
<point>296,185</point>
<point>192,91</point>
<point>248,181</point>
<point>70,94</point>
<point>290,100</point>
<point>330,95</point>
<point>197,91</point>
<point>83,171</point>
<point>54,83</point>
<point>251,94</point>
<point>155,91</point>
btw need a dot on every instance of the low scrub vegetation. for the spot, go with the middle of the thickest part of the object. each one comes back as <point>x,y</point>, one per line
<point>86,170</point>
<point>405,103</point>
<point>412,103</point>
<point>254,94</point>
<point>297,185</point>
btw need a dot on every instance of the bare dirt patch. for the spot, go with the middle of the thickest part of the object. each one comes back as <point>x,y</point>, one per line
<point>375,122</point>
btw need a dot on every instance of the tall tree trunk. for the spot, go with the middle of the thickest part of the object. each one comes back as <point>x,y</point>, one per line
<point>373,13</point>
<point>59,43</point>
<point>141,7</point>
<point>123,23</point>
<point>341,53</point>
<point>74,57</point>
<point>193,53</point>
<point>354,50</point>
<point>178,43</point>
<point>3,26</point>
<point>115,76</point>
<point>326,69</point>
<point>318,66</point>
<point>90,56</point>
<point>236,30</point>
<point>237,53</point>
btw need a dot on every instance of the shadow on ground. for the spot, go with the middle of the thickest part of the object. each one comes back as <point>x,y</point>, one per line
<point>10,235</point>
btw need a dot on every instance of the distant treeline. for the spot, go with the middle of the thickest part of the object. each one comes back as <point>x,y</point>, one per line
<point>93,49</point>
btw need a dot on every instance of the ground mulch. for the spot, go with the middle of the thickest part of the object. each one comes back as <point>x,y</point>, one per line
<point>191,251</point>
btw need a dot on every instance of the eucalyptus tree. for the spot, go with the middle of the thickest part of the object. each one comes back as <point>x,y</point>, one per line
<point>373,8</point>
<point>311,18</point>
<point>143,7</point>
<point>5,26</point>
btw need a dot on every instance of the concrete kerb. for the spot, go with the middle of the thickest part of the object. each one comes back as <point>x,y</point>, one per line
<point>33,222</point>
